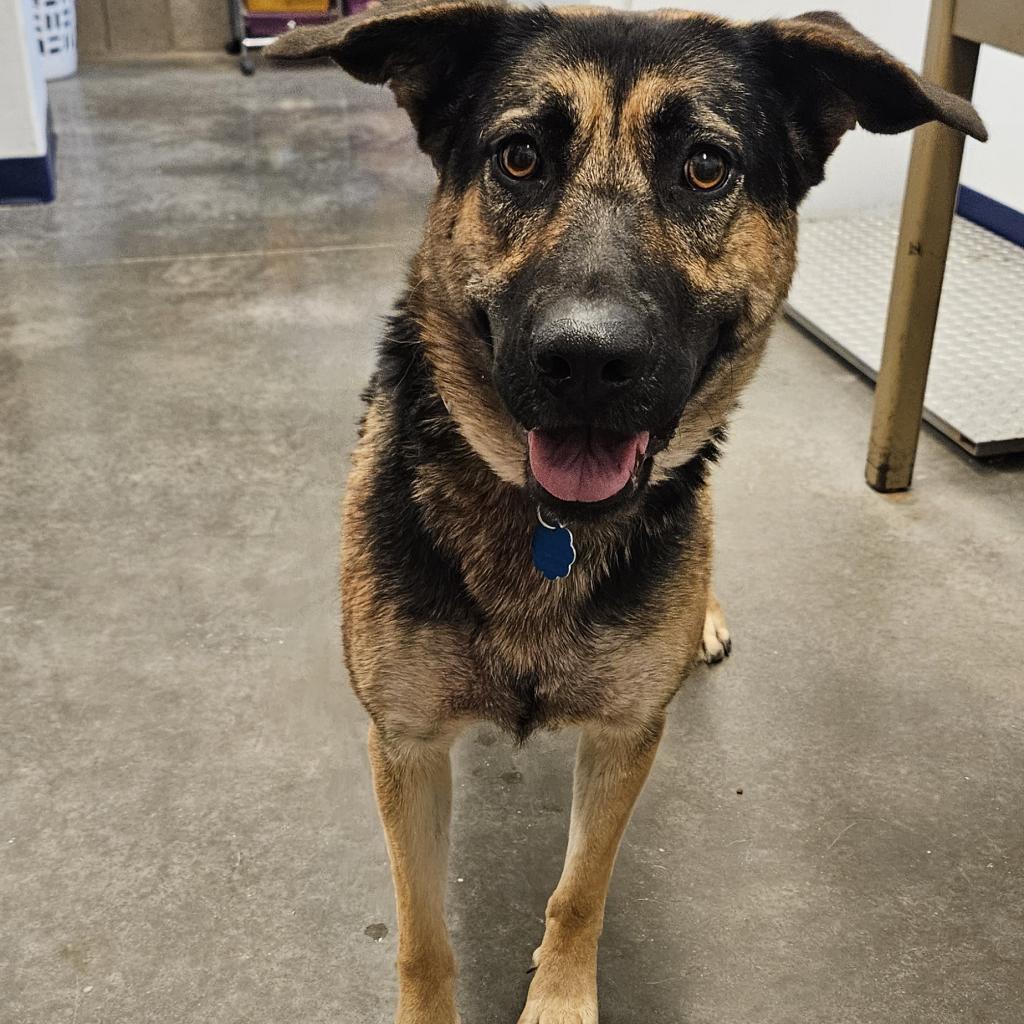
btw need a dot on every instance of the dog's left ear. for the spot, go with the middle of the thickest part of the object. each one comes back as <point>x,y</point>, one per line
<point>836,78</point>
<point>423,49</point>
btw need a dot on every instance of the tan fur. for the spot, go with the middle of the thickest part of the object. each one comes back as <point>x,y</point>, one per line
<point>677,14</point>
<point>511,647</point>
<point>650,92</point>
<point>589,89</point>
<point>421,683</point>
<point>416,680</point>
<point>716,641</point>
<point>413,785</point>
<point>611,767</point>
<point>471,262</point>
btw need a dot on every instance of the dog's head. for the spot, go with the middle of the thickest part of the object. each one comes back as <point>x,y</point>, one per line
<point>614,225</point>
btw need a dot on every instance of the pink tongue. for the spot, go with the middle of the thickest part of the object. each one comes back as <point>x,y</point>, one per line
<point>584,465</point>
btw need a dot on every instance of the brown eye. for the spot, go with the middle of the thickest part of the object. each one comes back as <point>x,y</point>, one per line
<point>518,159</point>
<point>706,168</point>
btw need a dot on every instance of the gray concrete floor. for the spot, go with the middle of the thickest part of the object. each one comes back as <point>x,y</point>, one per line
<point>186,826</point>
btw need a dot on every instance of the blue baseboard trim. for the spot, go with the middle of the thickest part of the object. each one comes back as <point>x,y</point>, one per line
<point>31,179</point>
<point>999,218</point>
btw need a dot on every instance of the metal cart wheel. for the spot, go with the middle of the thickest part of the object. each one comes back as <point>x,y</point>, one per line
<point>236,45</point>
<point>253,31</point>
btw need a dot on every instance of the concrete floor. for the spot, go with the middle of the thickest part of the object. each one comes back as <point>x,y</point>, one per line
<point>186,826</point>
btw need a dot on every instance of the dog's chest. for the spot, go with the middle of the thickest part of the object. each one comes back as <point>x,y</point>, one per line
<point>542,652</point>
<point>542,667</point>
<point>522,698</point>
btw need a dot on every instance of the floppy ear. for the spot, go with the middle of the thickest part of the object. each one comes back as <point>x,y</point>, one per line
<point>422,48</point>
<point>836,78</point>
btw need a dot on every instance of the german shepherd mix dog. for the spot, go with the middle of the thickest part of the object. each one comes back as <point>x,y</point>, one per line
<point>527,528</point>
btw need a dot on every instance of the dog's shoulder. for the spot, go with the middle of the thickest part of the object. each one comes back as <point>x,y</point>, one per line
<point>405,428</point>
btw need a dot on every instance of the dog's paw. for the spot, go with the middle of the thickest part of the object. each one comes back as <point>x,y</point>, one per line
<point>554,1009</point>
<point>558,1012</point>
<point>716,643</point>
<point>563,991</point>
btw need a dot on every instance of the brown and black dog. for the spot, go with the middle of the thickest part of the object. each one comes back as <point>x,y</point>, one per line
<point>527,528</point>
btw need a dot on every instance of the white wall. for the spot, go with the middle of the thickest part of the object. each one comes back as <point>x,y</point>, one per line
<point>22,85</point>
<point>997,167</point>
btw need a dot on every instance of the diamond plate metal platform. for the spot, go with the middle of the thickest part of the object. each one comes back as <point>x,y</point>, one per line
<point>975,391</point>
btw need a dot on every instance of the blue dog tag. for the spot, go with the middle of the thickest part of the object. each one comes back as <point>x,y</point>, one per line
<point>553,550</point>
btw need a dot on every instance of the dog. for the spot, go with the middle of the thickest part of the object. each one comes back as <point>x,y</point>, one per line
<point>527,528</point>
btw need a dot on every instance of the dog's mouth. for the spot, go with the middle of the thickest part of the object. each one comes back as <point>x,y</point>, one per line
<point>586,464</point>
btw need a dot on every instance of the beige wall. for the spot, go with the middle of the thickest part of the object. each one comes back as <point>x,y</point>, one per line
<point>122,27</point>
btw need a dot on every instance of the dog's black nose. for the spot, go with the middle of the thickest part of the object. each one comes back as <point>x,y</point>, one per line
<point>589,353</point>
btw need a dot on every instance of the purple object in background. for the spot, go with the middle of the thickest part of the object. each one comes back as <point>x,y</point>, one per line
<point>355,6</point>
<point>259,24</point>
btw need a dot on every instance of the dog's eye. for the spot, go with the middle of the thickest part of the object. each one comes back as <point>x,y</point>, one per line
<point>518,158</point>
<point>706,168</point>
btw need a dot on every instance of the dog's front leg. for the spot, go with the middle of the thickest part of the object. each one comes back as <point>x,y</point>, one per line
<point>413,783</point>
<point>611,767</point>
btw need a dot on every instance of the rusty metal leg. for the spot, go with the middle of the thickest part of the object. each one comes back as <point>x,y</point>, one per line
<point>920,265</point>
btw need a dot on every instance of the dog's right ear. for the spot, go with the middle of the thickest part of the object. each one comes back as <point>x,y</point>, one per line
<point>423,49</point>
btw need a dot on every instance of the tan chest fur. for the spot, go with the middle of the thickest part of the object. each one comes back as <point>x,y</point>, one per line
<point>529,656</point>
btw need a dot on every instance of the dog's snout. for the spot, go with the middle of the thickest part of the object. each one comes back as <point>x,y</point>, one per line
<point>589,354</point>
